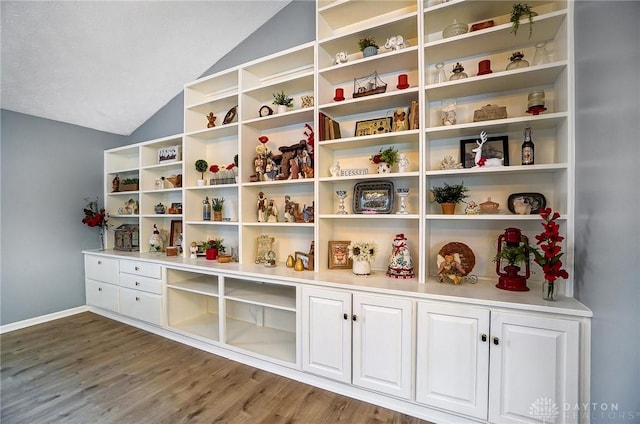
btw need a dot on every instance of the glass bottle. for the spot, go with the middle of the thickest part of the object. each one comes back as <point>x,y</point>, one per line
<point>458,73</point>
<point>517,61</point>
<point>206,209</point>
<point>528,155</point>
<point>540,57</point>
<point>440,75</point>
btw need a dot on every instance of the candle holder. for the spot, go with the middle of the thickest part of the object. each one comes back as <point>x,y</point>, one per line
<point>342,194</point>
<point>402,194</point>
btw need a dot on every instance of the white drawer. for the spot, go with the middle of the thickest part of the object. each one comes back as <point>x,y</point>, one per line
<point>141,305</point>
<point>103,295</point>
<point>146,269</point>
<point>137,282</point>
<point>101,268</point>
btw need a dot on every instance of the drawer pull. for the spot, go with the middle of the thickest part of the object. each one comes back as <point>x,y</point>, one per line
<point>346,316</point>
<point>137,299</point>
<point>99,288</point>
<point>137,268</point>
<point>99,262</point>
<point>355,318</point>
<point>137,283</point>
<point>496,341</point>
<point>483,337</point>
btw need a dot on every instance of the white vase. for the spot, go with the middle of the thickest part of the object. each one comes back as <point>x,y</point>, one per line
<point>361,267</point>
<point>201,183</point>
<point>384,168</point>
<point>281,109</point>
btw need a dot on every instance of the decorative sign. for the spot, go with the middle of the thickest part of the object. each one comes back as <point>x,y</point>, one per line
<point>169,154</point>
<point>352,172</point>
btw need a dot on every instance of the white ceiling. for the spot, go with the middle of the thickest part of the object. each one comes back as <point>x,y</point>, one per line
<point>110,65</point>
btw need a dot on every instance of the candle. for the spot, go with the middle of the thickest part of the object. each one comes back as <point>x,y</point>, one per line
<point>339,94</point>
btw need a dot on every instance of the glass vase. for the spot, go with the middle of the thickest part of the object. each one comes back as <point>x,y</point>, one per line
<point>549,290</point>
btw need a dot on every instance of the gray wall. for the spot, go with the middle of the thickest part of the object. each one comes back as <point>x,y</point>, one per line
<point>607,156</point>
<point>47,169</point>
<point>607,53</point>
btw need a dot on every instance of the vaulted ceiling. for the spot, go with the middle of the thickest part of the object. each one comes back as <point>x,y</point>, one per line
<point>110,65</point>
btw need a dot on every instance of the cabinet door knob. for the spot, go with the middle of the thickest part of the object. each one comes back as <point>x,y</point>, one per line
<point>346,316</point>
<point>99,288</point>
<point>99,262</point>
<point>354,318</point>
<point>483,337</point>
<point>137,299</point>
<point>137,283</point>
<point>496,341</point>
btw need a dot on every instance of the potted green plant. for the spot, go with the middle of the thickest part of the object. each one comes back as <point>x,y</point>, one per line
<point>216,206</point>
<point>368,46</point>
<point>282,101</point>
<point>385,159</point>
<point>448,196</point>
<point>201,166</point>
<point>212,248</point>
<point>129,184</point>
<point>518,11</point>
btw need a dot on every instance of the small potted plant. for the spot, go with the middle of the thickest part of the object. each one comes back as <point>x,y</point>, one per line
<point>212,248</point>
<point>282,101</point>
<point>129,184</point>
<point>216,206</point>
<point>368,46</point>
<point>385,159</point>
<point>201,167</point>
<point>521,10</point>
<point>449,196</point>
<point>362,253</point>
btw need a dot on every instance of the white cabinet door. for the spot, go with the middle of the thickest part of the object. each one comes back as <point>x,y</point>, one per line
<point>141,305</point>
<point>326,333</point>
<point>382,344</point>
<point>452,358</point>
<point>533,368</point>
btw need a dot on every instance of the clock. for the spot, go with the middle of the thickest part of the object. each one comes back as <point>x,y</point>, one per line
<point>265,111</point>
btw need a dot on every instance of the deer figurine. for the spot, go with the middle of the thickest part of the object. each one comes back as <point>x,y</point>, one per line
<point>483,160</point>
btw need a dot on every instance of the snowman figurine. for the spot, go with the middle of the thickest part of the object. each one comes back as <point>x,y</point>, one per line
<point>155,241</point>
<point>400,261</point>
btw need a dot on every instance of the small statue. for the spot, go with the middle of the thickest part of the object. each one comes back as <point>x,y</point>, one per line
<point>262,207</point>
<point>480,160</point>
<point>288,209</point>
<point>212,120</point>
<point>294,169</point>
<point>396,43</point>
<point>399,120</point>
<point>335,169</point>
<point>194,250</point>
<point>403,163</point>
<point>272,212</point>
<point>341,57</point>
<point>115,184</point>
<point>400,261</point>
<point>155,241</point>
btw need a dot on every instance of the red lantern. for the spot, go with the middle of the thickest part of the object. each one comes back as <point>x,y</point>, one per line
<point>513,248</point>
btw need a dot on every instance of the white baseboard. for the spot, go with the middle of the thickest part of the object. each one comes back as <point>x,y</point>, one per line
<point>41,319</point>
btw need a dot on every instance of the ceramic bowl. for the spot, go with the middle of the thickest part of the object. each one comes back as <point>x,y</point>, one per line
<point>455,29</point>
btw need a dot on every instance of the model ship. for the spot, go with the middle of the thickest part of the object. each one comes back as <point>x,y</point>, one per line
<point>366,86</point>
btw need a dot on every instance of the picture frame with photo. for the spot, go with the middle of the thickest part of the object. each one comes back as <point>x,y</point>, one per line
<point>176,230</point>
<point>494,147</point>
<point>339,254</point>
<point>307,260</point>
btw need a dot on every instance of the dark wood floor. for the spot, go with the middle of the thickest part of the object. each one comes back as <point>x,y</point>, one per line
<point>90,369</point>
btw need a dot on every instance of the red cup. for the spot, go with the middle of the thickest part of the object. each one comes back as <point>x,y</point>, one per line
<point>339,95</point>
<point>403,82</point>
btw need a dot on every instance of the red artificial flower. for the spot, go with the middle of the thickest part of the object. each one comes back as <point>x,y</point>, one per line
<point>376,159</point>
<point>214,168</point>
<point>231,166</point>
<point>549,241</point>
<point>94,217</point>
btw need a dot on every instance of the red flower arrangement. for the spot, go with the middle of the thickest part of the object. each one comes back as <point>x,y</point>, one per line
<point>549,241</point>
<point>214,168</point>
<point>93,216</point>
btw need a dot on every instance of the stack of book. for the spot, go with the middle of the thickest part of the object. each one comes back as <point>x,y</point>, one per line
<point>329,129</point>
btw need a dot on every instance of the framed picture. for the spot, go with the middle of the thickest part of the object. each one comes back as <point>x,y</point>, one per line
<point>339,255</point>
<point>373,197</point>
<point>373,126</point>
<point>495,147</point>
<point>230,116</point>
<point>169,154</point>
<point>307,260</point>
<point>176,230</point>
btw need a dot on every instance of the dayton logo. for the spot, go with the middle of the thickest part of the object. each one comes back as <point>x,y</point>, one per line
<point>544,409</point>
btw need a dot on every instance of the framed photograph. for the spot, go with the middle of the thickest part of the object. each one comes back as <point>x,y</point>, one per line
<point>176,230</point>
<point>169,154</point>
<point>373,197</point>
<point>339,255</point>
<point>495,147</point>
<point>373,126</point>
<point>307,260</point>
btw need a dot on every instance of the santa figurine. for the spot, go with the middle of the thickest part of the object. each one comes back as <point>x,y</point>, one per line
<point>155,241</point>
<point>400,261</point>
